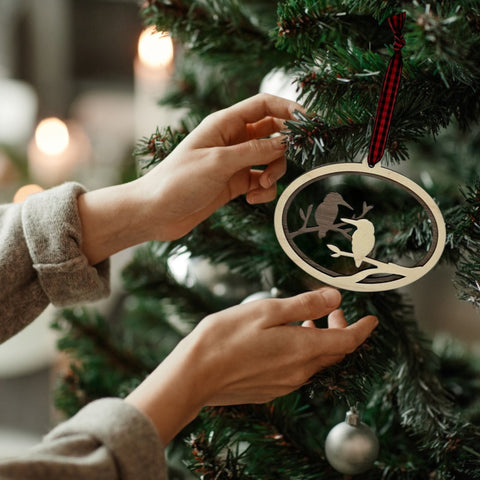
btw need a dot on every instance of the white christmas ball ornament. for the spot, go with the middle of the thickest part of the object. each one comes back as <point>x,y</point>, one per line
<point>280,83</point>
<point>351,447</point>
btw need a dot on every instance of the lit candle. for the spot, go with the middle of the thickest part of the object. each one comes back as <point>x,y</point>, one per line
<point>56,151</point>
<point>153,68</point>
<point>155,49</point>
<point>51,136</point>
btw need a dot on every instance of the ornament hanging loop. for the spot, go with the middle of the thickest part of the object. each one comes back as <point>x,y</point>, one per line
<point>352,417</point>
<point>396,24</point>
<point>399,42</point>
<point>388,95</point>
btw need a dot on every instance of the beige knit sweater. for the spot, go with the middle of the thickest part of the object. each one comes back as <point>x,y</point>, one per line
<point>41,263</point>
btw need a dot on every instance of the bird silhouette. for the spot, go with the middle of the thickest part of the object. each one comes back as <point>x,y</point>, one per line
<point>326,213</point>
<point>363,239</point>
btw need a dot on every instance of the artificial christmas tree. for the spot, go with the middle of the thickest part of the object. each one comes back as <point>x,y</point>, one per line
<point>421,404</point>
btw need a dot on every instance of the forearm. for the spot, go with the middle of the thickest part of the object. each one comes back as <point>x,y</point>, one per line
<point>112,219</point>
<point>173,394</point>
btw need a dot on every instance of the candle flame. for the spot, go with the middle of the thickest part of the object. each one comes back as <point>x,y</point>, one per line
<point>155,49</point>
<point>51,136</point>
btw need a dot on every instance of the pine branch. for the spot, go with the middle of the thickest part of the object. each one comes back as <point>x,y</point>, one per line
<point>306,27</point>
<point>312,142</point>
<point>450,441</point>
<point>152,150</point>
<point>342,80</point>
<point>213,457</point>
<point>94,331</point>
<point>227,237</point>
<point>202,88</point>
<point>99,364</point>
<point>218,30</point>
<point>467,226</point>
<point>148,276</point>
<point>277,439</point>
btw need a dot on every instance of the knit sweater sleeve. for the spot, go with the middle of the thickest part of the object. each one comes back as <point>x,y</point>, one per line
<point>41,261</point>
<point>106,440</point>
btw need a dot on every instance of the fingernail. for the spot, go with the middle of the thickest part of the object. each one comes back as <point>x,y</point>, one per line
<point>332,297</point>
<point>281,142</point>
<point>266,181</point>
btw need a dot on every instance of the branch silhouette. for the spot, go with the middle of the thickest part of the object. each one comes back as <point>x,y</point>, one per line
<point>336,227</point>
<point>380,267</point>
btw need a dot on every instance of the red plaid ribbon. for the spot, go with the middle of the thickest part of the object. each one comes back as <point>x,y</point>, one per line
<point>388,95</point>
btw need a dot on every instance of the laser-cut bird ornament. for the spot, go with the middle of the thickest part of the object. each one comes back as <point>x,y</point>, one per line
<point>363,239</point>
<point>326,213</point>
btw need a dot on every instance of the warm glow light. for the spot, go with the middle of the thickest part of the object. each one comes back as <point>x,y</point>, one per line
<point>51,136</point>
<point>26,191</point>
<point>155,49</point>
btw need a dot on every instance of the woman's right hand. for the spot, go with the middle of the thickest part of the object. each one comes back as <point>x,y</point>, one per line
<point>250,353</point>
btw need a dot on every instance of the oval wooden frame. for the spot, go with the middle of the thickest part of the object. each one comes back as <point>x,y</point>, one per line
<point>433,212</point>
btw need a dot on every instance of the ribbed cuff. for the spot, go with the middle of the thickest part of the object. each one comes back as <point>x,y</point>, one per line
<point>129,436</point>
<point>53,233</point>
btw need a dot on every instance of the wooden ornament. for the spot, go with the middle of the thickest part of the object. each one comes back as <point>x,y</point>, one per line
<point>331,220</point>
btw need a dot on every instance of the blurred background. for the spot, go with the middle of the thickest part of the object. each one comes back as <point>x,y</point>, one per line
<point>75,95</point>
<point>77,90</point>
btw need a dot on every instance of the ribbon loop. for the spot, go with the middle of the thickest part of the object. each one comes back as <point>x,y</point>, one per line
<point>399,43</point>
<point>396,23</point>
<point>388,95</point>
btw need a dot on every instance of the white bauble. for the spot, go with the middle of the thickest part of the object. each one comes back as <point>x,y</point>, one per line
<point>280,83</point>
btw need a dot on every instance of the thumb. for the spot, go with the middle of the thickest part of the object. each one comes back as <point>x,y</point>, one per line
<point>255,152</point>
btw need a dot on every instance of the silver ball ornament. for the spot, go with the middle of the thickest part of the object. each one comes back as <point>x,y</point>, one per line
<point>351,447</point>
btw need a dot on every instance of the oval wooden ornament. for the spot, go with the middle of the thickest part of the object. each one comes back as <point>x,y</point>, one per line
<point>368,273</point>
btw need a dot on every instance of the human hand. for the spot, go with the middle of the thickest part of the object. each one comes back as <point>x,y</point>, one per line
<point>213,165</point>
<point>250,353</point>
<point>210,167</point>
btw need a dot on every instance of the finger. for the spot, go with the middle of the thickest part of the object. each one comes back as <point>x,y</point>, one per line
<point>252,153</point>
<point>362,328</point>
<point>263,105</point>
<point>264,127</point>
<point>306,306</point>
<point>256,193</point>
<point>262,195</point>
<point>274,171</point>
<point>308,324</point>
<point>248,183</point>
<point>337,320</point>
<point>344,340</point>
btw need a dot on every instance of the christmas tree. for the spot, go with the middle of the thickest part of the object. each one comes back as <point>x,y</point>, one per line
<point>421,402</point>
